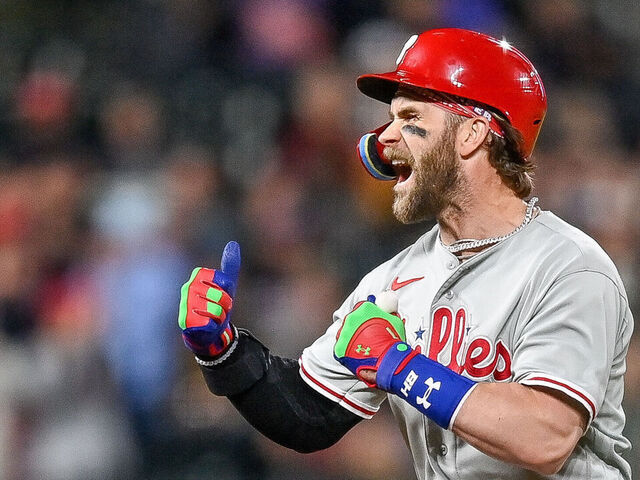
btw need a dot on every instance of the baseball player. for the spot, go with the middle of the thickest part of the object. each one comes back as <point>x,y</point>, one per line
<point>499,337</point>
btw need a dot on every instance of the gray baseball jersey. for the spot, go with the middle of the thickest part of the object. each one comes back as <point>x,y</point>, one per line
<point>544,307</point>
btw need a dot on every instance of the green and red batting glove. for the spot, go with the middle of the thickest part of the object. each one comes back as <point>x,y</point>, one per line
<point>366,335</point>
<point>206,304</point>
<point>373,339</point>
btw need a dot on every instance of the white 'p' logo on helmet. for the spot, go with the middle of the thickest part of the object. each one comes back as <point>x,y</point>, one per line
<point>412,40</point>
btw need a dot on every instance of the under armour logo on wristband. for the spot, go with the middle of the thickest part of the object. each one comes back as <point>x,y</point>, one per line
<point>431,387</point>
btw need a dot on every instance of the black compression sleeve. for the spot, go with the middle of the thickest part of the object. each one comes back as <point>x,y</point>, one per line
<point>269,392</point>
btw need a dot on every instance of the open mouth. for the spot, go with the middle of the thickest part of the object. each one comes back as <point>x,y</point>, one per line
<point>402,170</point>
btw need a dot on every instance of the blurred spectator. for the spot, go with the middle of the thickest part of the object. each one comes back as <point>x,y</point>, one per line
<point>135,271</point>
<point>133,127</point>
<point>197,202</point>
<point>282,34</point>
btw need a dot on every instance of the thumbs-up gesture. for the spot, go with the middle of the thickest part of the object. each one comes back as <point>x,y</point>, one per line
<point>206,303</point>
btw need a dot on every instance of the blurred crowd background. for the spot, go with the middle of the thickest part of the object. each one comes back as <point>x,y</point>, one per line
<point>138,137</point>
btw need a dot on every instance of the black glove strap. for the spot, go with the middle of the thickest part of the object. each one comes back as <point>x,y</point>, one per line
<point>245,366</point>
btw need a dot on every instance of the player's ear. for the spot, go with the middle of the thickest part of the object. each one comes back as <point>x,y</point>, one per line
<point>472,134</point>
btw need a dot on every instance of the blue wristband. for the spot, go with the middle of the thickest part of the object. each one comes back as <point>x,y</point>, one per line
<point>431,388</point>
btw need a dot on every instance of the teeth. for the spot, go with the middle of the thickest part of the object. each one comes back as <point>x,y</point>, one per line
<point>398,163</point>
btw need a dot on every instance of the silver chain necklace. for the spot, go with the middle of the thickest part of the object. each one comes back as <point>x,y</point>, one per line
<point>469,244</point>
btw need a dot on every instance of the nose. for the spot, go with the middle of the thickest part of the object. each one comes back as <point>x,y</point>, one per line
<point>391,134</point>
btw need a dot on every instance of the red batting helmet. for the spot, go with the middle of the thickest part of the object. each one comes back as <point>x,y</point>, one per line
<point>471,65</point>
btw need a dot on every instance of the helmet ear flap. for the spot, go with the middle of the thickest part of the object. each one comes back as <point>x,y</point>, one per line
<point>372,157</point>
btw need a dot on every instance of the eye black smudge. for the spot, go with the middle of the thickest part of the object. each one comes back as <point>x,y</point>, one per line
<point>414,130</point>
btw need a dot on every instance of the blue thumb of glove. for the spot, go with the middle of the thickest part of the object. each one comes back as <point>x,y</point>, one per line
<point>227,275</point>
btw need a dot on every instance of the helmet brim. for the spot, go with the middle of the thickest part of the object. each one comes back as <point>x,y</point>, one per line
<point>383,86</point>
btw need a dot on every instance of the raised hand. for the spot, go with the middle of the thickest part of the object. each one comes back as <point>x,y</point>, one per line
<point>206,302</point>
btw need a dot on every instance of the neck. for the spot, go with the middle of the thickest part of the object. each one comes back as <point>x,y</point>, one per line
<point>481,217</point>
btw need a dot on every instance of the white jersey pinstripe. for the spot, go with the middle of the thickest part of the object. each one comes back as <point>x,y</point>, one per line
<point>544,307</point>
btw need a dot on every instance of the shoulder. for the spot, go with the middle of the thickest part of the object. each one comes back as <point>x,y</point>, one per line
<point>563,249</point>
<point>578,248</point>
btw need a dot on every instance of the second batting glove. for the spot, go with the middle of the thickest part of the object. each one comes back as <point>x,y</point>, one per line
<point>366,335</point>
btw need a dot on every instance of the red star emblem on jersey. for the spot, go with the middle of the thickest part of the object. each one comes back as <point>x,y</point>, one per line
<point>395,285</point>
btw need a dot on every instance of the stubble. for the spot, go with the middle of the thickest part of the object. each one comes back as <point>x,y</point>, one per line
<point>438,180</point>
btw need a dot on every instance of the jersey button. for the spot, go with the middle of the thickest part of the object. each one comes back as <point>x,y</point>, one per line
<point>443,450</point>
<point>449,295</point>
<point>451,264</point>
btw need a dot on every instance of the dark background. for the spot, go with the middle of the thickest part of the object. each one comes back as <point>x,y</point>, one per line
<point>138,137</point>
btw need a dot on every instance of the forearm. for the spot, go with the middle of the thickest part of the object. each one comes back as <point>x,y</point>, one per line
<point>275,400</point>
<point>533,428</point>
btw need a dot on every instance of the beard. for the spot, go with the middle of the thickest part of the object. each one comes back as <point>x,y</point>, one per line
<point>437,181</point>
